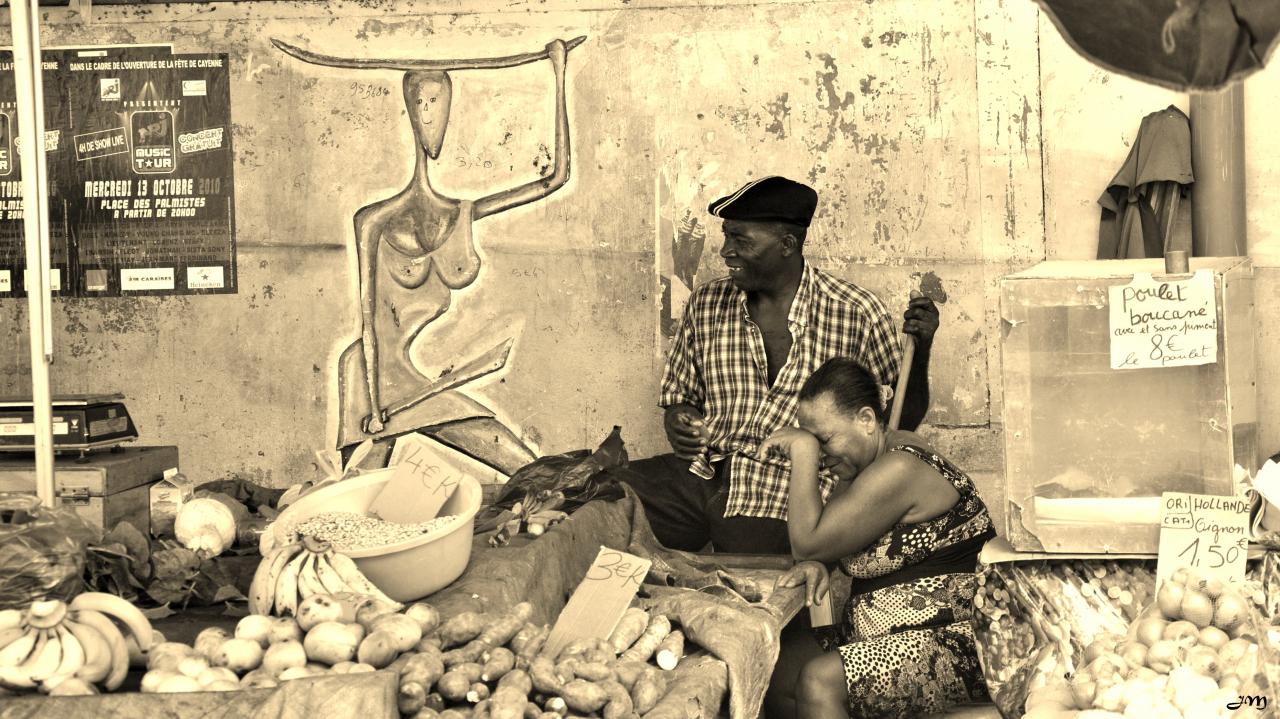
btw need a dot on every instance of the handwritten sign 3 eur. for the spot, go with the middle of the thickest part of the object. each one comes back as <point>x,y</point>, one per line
<point>600,600</point>
<point>1206,532</point>
<point>1164,323</point>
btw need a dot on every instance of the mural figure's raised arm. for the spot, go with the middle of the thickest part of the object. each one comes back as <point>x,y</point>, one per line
<point>556,52</point>
<point>361,63</point>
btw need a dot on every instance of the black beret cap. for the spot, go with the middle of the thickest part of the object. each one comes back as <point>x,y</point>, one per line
<point>769,199</point>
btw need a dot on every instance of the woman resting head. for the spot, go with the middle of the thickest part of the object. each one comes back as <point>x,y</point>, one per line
<point>906,526</point>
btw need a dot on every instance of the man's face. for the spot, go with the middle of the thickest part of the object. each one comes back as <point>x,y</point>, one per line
<point>753,252</point>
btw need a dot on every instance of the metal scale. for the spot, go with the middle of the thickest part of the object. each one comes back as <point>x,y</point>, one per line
<point>81,423</point>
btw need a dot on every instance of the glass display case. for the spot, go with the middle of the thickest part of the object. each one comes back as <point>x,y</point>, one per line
<point>1089,449</point>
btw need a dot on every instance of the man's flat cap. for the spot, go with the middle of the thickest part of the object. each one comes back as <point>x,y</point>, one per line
<point>769,199</point>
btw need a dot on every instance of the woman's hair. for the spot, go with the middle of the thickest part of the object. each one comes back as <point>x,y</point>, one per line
<point>850,385</point>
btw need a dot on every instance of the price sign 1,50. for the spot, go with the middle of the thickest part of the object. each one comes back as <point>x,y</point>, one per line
<point>1205,532</point>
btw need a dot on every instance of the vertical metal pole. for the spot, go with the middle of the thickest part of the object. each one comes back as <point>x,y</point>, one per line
<point>24,18</point>
<point>1217,158</point>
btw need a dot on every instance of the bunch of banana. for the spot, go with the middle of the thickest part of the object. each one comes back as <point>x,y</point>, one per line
<point>292,572</point>
<point>52,642</point>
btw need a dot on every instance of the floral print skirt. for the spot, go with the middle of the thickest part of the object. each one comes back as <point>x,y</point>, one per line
<point>908,649</point>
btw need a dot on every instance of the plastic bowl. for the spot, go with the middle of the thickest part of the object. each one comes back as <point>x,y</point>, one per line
<point>406,570</point>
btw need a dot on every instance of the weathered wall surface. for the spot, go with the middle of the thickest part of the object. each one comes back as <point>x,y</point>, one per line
<point>922,125</point>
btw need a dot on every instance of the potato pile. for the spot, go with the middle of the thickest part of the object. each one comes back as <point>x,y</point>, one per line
<point>1193,654</point>
<point>485,666</point>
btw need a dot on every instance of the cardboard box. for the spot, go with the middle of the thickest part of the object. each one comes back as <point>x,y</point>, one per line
<point>167,497</point>
<point>104,488</point>
<point>1089,449</point>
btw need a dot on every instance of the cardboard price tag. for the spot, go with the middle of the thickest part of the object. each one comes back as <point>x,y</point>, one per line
<point>600,600</point>
<point>1206,532</point>
<point>422,482</point>
<point>1163,323</point>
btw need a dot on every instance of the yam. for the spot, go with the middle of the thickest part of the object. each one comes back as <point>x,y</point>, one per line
<point>498,662</point>
<point>411,698</point>
<point>566,669</point>
<point>481,710</point>
<point>427,713</point>
<point>430,642</point>
<point>455,714</point>
<point>471,652</point>
<point>507,703</point>
<point>576,648</point>
<point>425,669</point>
<point>478,692</point>
<point>504,628</point>
<point>620,704</point>
<point>599,655</point>
<point>671,650</point>
<point>453,686</point>
<point>629,629</point>
<point>644,647</point>
<point>435,701</point>
<point>557,705</point>
<point>628,672</point>
<point>593,671</point>
<point>584,696</point>
<point>542,672</point>
<point>517,679</point>
<point>462,628</point>
<point>470,670</point>
<point>523,636</point>
<point>648,691</point>
<point>535,643</point>
<point>532,711</point>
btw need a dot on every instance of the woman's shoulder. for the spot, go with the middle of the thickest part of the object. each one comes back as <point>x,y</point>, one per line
<point>902,438</point>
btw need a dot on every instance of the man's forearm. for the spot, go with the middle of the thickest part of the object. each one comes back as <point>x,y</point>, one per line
<point>916,404</point>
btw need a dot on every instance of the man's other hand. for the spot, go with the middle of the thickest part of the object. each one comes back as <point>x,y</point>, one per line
<point>921,320</point>
<point>685,431</point>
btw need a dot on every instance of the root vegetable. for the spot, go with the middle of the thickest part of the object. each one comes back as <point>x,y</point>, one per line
<point>256,627</point>
<point>406,632</point>
<point>566,669</point>
<point>534,644</point>
<point>471,652</point>
<point>238,655</point>
<point>584,696</point>
<point>435,701</point>
<point>461,628</point>
<point>317,609</point>
<point>517,679</point>
<point>671,650</point>
<point>478,692</point>
<point>542,672</point>
<point>498,662</point>
<point>523,636</point>
<point>644,647</point>
<point>332,642</point>
<point>576,648</point>
<point>648,691</point>
<point>481,710</point>
<point>411,698</point>
<point>619,704</point>
<point>503,629</point>
<point>454,714</point>
<point>427,617</point>
<point>593,671</point>
<point>427,713</point>
<point>470,670</point>
<point>453,685</point>
<point>629,672</point>
<point>378,649</point>
<point>425,669</point>
<point>629,629</point>
<point>282,656</point>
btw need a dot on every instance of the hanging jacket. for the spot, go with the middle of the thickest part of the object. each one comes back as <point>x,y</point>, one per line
<point>1160,154</point>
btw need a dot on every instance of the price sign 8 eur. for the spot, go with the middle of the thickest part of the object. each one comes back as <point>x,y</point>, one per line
<point>1206,532</point>
<point>600,600</point>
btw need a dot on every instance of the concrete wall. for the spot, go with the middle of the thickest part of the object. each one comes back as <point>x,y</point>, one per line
<point>962,141</point>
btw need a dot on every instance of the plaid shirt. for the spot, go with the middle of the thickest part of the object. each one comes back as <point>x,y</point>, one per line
<point>718,364</point>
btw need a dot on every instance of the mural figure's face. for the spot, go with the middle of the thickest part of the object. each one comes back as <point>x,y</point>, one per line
<point>754,252</point>
<point>428,96</point>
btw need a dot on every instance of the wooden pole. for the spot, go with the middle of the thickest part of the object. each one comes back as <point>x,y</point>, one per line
<point>24,19</point>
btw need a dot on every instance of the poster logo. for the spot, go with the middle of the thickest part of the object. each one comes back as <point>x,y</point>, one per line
<point>101,143</point>
<point>193,88</point>
<point>152,278</point>
<point>205,278</point>
<point>6,145</point>
<point>109,88</point>
<point>95,280</point>
<point>152,132</point>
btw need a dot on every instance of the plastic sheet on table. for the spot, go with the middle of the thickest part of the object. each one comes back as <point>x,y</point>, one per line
<point>42,550</point>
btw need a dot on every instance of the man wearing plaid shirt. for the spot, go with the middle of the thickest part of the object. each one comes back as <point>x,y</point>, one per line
<point>744,346</point>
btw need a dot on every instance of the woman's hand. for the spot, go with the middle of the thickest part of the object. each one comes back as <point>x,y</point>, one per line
<point>814,577</point>
<point>793,443</point>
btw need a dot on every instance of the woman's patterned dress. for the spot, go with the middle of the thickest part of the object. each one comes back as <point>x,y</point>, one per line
<point>905,639</point>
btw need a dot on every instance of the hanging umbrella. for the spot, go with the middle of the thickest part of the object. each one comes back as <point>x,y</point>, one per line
<point>1184,45</point>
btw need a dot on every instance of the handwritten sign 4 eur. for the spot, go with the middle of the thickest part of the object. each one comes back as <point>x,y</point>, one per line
<point>600,600</point>
<point>1164,323</point>
<point>423,481</point>
<point>1206,532</point>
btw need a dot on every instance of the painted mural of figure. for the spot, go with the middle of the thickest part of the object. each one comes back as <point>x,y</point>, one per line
<point>415,250</point>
